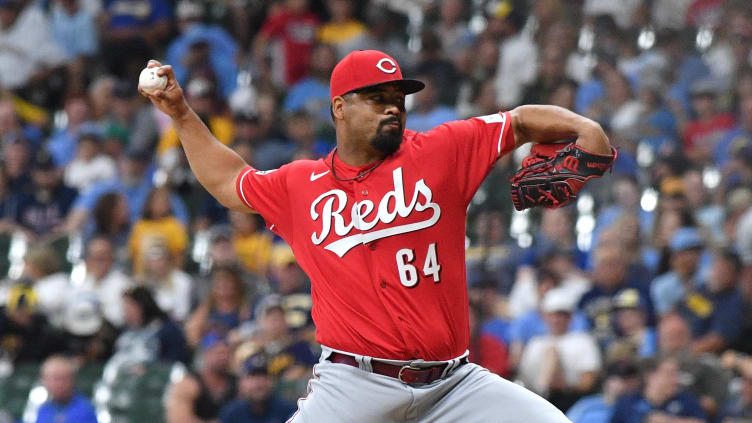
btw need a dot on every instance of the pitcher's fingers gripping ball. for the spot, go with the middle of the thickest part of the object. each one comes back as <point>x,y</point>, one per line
<point>149,80</point>
<point>553,174</point>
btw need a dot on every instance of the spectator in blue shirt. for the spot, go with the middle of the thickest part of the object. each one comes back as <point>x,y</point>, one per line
<point>714,311</point>
<point>631,324</point>
<point>429,113</point>
<point>668,289</point>
<point>661,399</point>
<point>63,404</point>
<point>74,29</point>
<point>184,52</point>
<point>311,93</point>
<point>257,403</point>
<point>621,378</point>
<point>43,210</point>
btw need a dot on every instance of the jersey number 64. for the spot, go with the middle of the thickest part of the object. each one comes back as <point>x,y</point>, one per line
<point>408,273</point>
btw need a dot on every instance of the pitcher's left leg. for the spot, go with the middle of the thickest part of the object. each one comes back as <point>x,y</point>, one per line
<point>472,394</point>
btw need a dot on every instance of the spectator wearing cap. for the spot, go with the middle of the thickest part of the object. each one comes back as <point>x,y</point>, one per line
<point>257,400</point>
<point>63,403</point>
<point>43,210</point>
<point>620,378</point>
<point>561,365</point>
<point>290,357</point>
<point>668,289</point>
<point>631,324</point>
<point>221,49</point>
<point>158,220</point>
<point>311,94</point>
<point>713,310</point>
<point>132,119</point>
<point>661,398</point>
<point>300,129</point>
<point>149,336</point>
<point>609,277</point>
<point>224,308</point>
<point>702,374</point>
<point>159,270</point>
<point>25,334</point>
<point>202,393</point>
<point>62,143</point>
<point>285,272</point>
<point>30,50</point>
<point>91,165</point>
<point>702,134</point>
<point>533,323</point>
<point>295,26</point>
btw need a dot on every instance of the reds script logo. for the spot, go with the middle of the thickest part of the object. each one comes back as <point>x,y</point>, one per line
<point>334,203</point>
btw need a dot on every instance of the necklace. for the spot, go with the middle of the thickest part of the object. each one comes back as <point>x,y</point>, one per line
<point>359,175</point>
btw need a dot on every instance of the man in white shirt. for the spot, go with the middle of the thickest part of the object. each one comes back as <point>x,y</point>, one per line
<point>561,365</point>
<point>27,46</point>
<point>102,279</point>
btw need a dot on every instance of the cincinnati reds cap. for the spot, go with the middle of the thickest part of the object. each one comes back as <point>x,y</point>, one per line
<point>366,68</point>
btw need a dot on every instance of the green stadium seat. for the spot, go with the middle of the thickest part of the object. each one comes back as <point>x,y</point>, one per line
<point>137,397</point>
<point>14,388</point>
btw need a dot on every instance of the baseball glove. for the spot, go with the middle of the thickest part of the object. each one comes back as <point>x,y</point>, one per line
<point>554,173</point>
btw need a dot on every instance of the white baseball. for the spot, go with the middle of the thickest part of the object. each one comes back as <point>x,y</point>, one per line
<point>149,81</point>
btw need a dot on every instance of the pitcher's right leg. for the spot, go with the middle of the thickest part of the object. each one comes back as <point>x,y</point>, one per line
<point>339,393</point>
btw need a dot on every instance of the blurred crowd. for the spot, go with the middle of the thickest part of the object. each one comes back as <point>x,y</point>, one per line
<point>632,305</point>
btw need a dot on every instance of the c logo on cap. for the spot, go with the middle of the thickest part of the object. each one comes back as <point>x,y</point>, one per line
<point>381,67</point>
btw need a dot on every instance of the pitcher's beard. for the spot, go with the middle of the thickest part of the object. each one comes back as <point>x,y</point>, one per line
<point>387,141</point>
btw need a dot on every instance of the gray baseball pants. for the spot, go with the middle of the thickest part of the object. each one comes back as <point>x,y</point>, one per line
<point>339,393</point>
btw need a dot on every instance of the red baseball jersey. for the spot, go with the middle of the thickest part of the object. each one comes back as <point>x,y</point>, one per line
<point>386,252</point>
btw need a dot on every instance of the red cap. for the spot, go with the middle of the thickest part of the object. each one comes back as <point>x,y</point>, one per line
<point>366,68</point>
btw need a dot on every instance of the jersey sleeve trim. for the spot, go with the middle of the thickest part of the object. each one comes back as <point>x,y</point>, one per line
<point>239,186</point>
<point>502,132</point>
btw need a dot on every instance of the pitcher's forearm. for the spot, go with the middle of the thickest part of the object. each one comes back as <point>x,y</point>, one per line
<point>540,123</point>
<point>215,165</point>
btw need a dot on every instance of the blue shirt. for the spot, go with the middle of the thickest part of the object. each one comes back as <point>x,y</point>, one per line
<point>731,143</point>
<point>76,34</point>
<point>136,13</point>
<point>311,95</point>
<point>531,324</point>
<point>78,410</point>
<point>590,409</point>
<point>222,52</point>
<point>719,313</point>
<point>422,122</point>
<point>136,195</point>
<point>634,408</point>
<point>239,411</point>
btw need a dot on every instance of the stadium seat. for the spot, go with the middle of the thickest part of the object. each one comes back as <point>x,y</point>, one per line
<point>133,397</point>
<point>14,388</point>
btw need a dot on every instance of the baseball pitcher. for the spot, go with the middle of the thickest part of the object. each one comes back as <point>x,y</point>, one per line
<point>379,227</point>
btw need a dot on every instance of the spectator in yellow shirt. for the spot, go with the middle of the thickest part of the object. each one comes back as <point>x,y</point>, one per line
<point>157,221</point>
<point>251,242</point>
<point>342,27</point>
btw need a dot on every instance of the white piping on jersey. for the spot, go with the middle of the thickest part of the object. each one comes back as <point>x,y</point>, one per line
<point>496,118</point>
<point>242,194</point>
<point>331,217</point>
